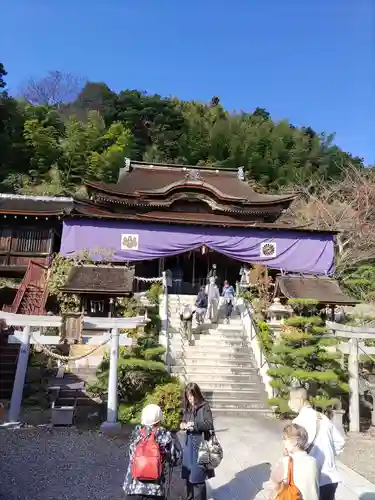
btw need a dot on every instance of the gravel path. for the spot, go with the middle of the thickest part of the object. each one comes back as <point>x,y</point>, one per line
<point>64,464</point>
<point>359,455</point>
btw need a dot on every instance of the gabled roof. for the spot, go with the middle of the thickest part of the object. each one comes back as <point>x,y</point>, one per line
<point>96,279</point>
<point>16,204</point>
<point>323,289</point>
<point>86,208</point>
<point>153,181</point>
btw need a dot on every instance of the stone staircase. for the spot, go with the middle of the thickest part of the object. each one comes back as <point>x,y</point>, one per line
<point>8,365</point>
<point>69,394</point>
<point>220,361</point>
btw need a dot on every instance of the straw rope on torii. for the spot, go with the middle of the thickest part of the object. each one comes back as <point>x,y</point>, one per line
<point>148,280</point>
<point>52,354</point>
<point>23,337</point>
<point>65,359</point>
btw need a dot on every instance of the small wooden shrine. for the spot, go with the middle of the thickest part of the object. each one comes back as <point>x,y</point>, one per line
<point>30,232</point>
<point>99,286</point>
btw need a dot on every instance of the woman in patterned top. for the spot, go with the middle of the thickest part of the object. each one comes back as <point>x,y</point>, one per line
<point>170,451</point>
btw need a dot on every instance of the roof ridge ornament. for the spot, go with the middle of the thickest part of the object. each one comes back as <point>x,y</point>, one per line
<point>127,163</point>
<point>241,173</point>
<point>193,175</point>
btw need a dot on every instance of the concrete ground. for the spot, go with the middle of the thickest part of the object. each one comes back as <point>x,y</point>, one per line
<point>251,446</point>
<point>69,464</point>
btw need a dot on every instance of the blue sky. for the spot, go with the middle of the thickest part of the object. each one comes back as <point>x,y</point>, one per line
<point>310,62</point>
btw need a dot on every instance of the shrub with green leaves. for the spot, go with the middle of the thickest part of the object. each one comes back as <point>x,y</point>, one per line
<point>154,292</point>
<point>141,375</point>
<point>360,282</point>
<point>266,337</point>
<point>168,397</point>
<point>302,358</point>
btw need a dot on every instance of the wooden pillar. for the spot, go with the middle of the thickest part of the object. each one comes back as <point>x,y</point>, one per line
<point>193,271</point>
<point>332,308</point>
<point>353,367</point>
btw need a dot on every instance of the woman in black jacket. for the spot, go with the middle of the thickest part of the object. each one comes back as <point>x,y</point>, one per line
<point>197,422</point>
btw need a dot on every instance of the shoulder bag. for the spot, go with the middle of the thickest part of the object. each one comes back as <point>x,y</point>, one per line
<point>210,452</point>
<point>312,444</point>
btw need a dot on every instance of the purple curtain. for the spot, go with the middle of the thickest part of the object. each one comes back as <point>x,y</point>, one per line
<point>292,251</point>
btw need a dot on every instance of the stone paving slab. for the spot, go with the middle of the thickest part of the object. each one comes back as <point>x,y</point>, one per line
<point>251,446</point>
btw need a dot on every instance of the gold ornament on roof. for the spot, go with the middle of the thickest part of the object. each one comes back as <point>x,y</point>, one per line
<point>193,176</point>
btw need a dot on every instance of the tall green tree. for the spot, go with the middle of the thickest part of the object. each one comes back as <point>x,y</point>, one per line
<point>154,122</point>
<point>302,358</point>
<point>92,151</point>
<point>86,130</point>
<point>13,151</point>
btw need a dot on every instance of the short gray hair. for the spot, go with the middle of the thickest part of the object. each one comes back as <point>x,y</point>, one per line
<point>297,434</point>
<point>299,393</point>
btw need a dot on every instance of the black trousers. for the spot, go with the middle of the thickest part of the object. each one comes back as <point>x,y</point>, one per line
<point>196,491</point>
<point>228,309</point>
<point>328,491</point>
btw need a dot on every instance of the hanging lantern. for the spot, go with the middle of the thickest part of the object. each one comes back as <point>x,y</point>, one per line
<point>204,250</point>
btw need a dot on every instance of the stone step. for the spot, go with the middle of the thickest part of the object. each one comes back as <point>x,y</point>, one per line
<point>219,349</point>
<point>71,393</point>
<point>8,365</point>
<point>240,412</point>
<point>192,370</point>
<point>218,378</point>
<point>232,325</point>
<point>218,355</point>
<point>208,385</point>
<point>252,394</point>
<point>8,355</point>
<point>216,362</point>
<point>222,341</point>
<point>208,344</point>
<point>237,404</point>
<point>215,370</point>
<point>223,332</point>
<point>83,401</point>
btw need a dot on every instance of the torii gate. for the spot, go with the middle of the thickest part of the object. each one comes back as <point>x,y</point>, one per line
<point>354,334</point>
<point>25,338</point>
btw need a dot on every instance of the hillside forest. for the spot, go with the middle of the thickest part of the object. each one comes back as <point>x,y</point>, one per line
<point>62,129</point>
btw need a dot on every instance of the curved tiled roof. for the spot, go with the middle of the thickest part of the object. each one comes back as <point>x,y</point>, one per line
<point>157,180</point>
<point>323,289</point>
<point>84,208</point>
<point>100,280</point>
<point>35,205</point>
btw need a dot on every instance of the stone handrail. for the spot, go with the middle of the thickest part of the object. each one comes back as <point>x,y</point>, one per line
<point>252,334</point>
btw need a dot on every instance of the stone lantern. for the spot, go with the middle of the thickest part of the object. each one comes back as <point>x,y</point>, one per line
<point>276,315</point>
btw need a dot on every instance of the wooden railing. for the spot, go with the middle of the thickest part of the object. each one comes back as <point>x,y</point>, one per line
<point>35,277</point>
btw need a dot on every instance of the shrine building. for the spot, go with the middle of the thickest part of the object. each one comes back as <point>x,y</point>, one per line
<point>188,218</point>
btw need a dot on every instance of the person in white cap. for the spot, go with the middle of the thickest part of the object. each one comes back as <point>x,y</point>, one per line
<point>152,449</point>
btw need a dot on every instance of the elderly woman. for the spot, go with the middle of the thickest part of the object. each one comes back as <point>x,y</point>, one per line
<point>305,470</point>
<point>136,486</point>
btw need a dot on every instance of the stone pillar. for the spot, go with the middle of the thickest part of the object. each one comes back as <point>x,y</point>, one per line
<point>354,385</point>
<point>337,420</point>
<point>19,380</point>
<point>164,317</point>
<point>111,425</point>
